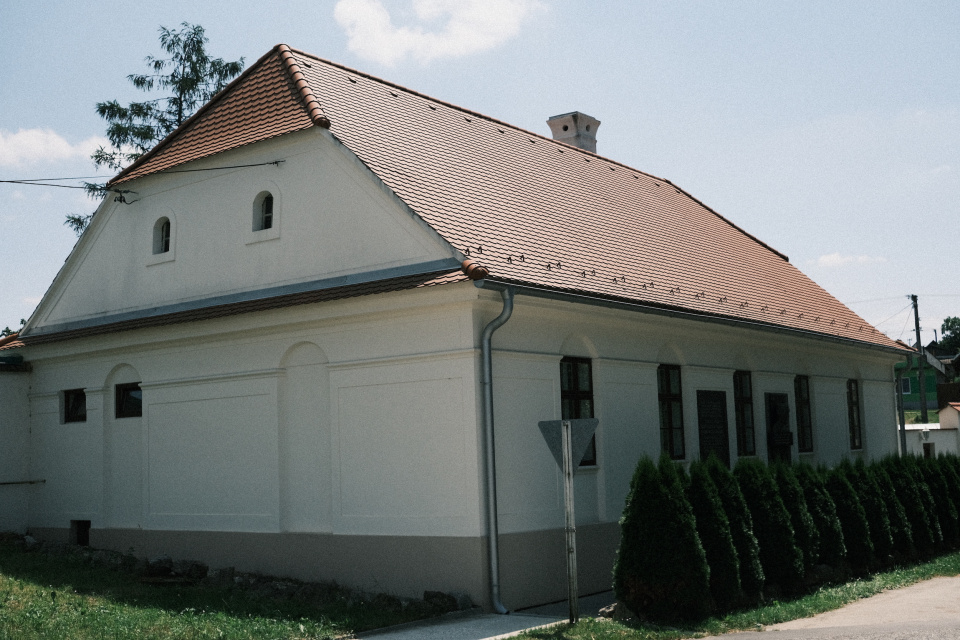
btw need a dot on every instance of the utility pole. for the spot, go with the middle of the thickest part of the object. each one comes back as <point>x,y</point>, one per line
<point>922,358</point>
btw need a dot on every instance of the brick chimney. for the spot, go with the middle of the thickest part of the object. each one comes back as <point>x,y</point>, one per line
<point>577,129</point>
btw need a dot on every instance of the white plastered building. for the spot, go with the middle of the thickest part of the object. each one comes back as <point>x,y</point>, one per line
<point>269,350</point>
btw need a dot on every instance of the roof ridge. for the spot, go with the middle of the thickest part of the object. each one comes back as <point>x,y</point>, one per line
<point>593,154</point>
<point>314,109</point>
<point>189,121</point>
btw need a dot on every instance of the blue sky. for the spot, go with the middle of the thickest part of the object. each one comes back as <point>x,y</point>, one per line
<point>830,130</point>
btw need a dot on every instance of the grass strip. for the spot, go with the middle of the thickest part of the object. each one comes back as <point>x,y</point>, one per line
<point>44,596</point>
<point>824,599</point>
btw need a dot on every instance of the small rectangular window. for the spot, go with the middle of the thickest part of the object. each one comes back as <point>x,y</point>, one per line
<point>671,411</point>
<point>576,398</point>
<point>801,388</point>
<point>853,414</point>
<point>905,386</point>
<point>129,400</point>
<point>743,407</point>
<point>74,405</point>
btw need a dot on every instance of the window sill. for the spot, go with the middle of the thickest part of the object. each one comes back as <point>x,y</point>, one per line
<point>160,258</point>
<point>263,235</point>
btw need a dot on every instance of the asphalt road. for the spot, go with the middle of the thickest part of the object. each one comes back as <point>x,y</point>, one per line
<point>928,610</point>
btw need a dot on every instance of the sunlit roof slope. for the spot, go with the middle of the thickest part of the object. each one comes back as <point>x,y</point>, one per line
<point>531,210</point>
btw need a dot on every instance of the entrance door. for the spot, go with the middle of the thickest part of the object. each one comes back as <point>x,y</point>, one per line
<point>712,419</point>
<point>779,436</point>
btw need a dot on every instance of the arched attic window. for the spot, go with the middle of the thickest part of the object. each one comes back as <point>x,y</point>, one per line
<point>161,236</point>
<point>263,211</point>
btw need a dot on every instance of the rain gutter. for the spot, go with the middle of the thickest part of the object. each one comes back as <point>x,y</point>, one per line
<point>610,303</point>
<point>490,468</point>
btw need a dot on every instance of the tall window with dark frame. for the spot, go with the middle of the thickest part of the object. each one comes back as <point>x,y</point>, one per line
<point>74,405</point>
<point>165,237</point>
<point>853,414</point>
<point>576,398</point>
<point>671,411</point>
<point>743,408</point>
<point>801,388</point>
<point>128,400</point>
<point>266,212</point>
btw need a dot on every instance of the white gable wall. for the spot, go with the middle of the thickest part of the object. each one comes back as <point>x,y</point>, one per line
<point>332,218</point>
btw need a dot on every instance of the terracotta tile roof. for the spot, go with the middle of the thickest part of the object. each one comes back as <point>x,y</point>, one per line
<point>531,210</point>
<point>264,102</point>
<point>11,341</point>
<point>249,306</point>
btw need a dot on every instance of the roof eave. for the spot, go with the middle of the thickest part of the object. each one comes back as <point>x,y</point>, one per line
<point>675,312</point>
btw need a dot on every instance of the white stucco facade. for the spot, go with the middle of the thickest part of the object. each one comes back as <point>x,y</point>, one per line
<point>343,439</point>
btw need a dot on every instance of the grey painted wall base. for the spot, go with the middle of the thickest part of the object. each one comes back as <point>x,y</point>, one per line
<point>398,565</point>
<point>532,569</point>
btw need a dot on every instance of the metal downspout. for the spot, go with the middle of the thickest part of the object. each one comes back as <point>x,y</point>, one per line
<point>901,417</point>
<point>489,452</point>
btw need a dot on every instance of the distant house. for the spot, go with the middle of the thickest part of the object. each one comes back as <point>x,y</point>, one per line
<point>935,373</point>
<point>314,330</point>
<point>931,440</point>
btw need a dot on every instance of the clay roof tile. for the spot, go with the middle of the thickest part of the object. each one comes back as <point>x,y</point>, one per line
<point>526,208</point>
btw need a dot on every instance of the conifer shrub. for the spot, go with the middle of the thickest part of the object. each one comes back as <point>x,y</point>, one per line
<point>853,520</point>
<point>661,569</point>
<point>946,510</point>
<point>875,508</point>
<point>804,529</point>
<point>950,466</point>
<point>952,478</point>
<point>908,493</point>
<point>926,497</point>
<point>713,527</point>
<point>900,529</point>
<point>782,560</point>
<point>741,530</point>
<point>833,551</point>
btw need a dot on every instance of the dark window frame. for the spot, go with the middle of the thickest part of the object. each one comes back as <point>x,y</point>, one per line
<point>906,386</point>
<point>744,413</point>
<point>266,212</point>
<point>123,407</point>
<point>854,415</point>
<point>671,411</point>
<point>74,405</point>
<point>573,398</point>
<point>804,410</point>
<point>165,236</point>
<point>162,234</point>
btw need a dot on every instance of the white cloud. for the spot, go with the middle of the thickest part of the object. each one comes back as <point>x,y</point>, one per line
<point>40,146</point>
<point>834,260</point>
<point>442,29</point>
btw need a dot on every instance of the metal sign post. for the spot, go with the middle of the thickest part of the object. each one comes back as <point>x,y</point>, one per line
<point>568,440</point>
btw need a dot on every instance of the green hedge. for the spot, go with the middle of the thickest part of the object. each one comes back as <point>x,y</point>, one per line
<point>804,529</point>
<point>745,542</point>
<point>833,551</point>
<point>900,529</point>
<point>661,571</point>
<point>782,560</point>
<point>875,508</point>
<point>713,527</point>
<point>853,520</point>
<point>710,541</point>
